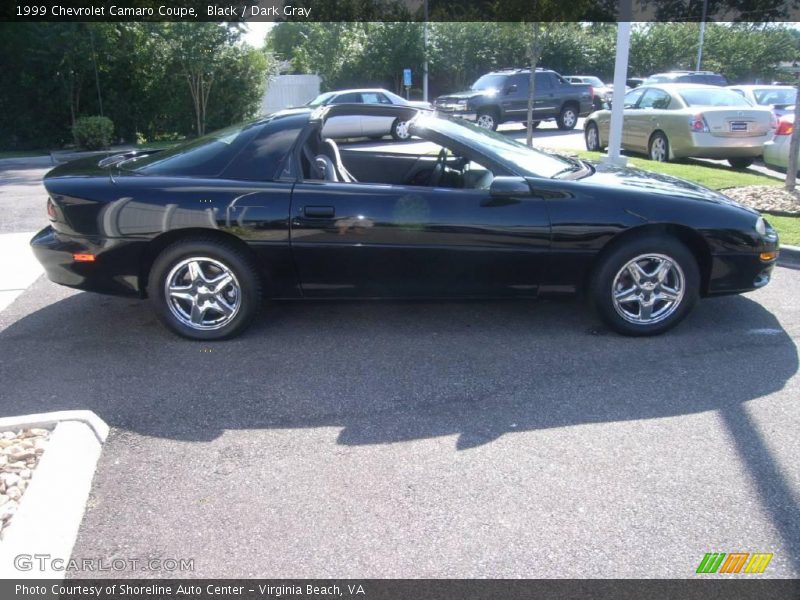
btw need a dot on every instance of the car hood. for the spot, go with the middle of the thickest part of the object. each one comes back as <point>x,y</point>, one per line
<point>467,94</point>
<point>635,179</point>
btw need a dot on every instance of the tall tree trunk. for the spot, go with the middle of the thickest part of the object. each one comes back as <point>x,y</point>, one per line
<point>534,50</point>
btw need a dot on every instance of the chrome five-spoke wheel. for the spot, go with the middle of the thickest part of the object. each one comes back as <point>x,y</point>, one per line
<point>486,121</point>
<point>202,293</point>
<point>648,289</point>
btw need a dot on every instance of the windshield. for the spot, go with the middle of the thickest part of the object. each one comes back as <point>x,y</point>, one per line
<point>527,161</point>
<point>775,96</point>
<point>712,97</point>
<point>490,82</point>
<point>321,99</point>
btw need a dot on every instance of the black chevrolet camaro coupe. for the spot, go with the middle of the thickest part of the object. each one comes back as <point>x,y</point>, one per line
<point>271,209</point>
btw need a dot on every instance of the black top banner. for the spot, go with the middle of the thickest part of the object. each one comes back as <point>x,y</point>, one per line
<point>403,10</point>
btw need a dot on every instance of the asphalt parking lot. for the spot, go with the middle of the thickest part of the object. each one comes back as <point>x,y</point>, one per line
<point>417,439</point>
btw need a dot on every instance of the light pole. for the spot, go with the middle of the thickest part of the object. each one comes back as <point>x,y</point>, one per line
<point>702,34</point>
<point>425,55</point>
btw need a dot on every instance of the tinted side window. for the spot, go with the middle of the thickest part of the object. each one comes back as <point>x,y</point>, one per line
<point>716,80</point>
<point>348,98</point>
<point>374,98</point>
<point>632,97</point>
<point>521,81</point>
<point>260,160</point>
<point>657,99</point>
<point>543,82</point>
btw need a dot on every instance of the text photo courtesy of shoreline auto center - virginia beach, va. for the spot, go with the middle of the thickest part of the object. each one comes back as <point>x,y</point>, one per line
<point>394,299</point>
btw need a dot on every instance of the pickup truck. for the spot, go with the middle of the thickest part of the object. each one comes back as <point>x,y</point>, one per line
<point>502,97</point>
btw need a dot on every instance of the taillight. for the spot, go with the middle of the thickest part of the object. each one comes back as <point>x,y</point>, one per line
<point>698,124</point>
<point>785,127</point>
<point>591,92</point>
<point>51,209</point>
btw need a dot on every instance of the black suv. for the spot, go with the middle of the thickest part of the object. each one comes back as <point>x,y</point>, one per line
<point>705,77</point>
<point>502,96</point>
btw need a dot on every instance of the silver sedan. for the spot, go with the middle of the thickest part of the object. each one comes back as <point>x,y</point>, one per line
<point>365,126</point>
<point>679,120</point>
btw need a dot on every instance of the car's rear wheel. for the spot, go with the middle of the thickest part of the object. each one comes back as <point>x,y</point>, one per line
<point>204,289</point>
<point>592,137</point>
<point>535,124</point>
<point>567,118</point>
<point>658,148</point>
<point>400,130</point>
<point>487,119</point>
<point>646,285</point>
<point>740,163</point>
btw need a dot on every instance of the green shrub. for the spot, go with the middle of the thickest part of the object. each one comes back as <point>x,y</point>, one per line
<point>93,133</point>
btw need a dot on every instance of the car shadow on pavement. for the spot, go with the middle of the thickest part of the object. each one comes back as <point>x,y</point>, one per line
<point>388,372</point>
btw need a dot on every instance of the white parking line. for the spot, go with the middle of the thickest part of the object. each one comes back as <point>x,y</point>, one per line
<point>18,266</point>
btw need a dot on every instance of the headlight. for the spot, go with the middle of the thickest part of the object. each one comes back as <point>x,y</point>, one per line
<point>462,103</point>
<point>761,227</point>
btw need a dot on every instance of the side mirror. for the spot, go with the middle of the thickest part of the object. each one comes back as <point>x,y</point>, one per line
<point>509,187</point>
<point>511,89</point>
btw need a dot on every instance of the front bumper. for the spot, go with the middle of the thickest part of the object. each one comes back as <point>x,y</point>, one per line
<point>115,270</point>
<point>737,273</point>
<point>459,114</point>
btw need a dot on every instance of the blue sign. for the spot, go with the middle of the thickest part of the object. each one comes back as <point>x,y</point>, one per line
<point>407,77</point>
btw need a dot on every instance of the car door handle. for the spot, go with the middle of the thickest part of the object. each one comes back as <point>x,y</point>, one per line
<point>318,212</point>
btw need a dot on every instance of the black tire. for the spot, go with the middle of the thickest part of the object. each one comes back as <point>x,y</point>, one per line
<point>658,147</point>
<point>567,118</point>
<point>401,133</point>
<point>535,124</point>
<point>209,253</point>
<point>591,136</point>
<point>610,276</point>
<point>488,119</point>
<point>741,163</point>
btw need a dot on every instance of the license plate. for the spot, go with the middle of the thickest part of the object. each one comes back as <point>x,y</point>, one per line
<point>738,126</point>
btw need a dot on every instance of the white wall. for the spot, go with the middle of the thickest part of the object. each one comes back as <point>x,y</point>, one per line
<point>285,91</point>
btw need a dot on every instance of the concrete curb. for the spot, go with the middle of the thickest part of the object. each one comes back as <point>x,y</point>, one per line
<point>789,257</point>
<point>52,508</point>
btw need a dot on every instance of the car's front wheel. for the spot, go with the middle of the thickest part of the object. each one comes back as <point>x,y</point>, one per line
<point>487,119</point>
<point>204,289</point>
<point>646,285</point>
<point>592,137</point>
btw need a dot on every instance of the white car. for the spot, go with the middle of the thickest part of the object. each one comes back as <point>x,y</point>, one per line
<point>776,152</point>
<point>780,98</point>
<point>365,126</point>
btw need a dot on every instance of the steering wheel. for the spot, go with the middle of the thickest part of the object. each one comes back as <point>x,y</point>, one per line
<point>438,168</point>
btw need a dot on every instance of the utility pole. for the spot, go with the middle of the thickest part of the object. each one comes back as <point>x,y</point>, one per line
<point>96,75</point>
<point>425,55</point>
<point>702,34</point>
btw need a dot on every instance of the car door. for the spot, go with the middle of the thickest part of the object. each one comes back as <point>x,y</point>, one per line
<point>515,97</point>
<point>546,103</point>
<point>378,240</point>
<point>344,126</point>
<point>374,125</point>
<point>630,119</point>
<point>650,113</point>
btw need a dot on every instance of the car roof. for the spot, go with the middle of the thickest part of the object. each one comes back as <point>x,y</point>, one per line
<point>681,86</point>
<point>326,111</point>
<point>755,86</point>
<point>359,90</point>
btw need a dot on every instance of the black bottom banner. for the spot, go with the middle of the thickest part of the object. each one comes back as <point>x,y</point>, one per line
<point>402,589</point>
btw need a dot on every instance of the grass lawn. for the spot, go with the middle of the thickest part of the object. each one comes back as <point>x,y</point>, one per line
<point>21,153</point>
<point>715,177</point>
<point>788,228</point>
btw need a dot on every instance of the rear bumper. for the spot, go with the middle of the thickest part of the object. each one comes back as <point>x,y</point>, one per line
<point>706,145</point>
<point>115,270</point>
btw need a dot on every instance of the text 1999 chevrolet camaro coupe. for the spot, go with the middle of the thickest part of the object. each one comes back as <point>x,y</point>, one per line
<point>272,209</point>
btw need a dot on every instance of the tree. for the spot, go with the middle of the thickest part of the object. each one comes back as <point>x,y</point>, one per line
<point>534,53</point>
